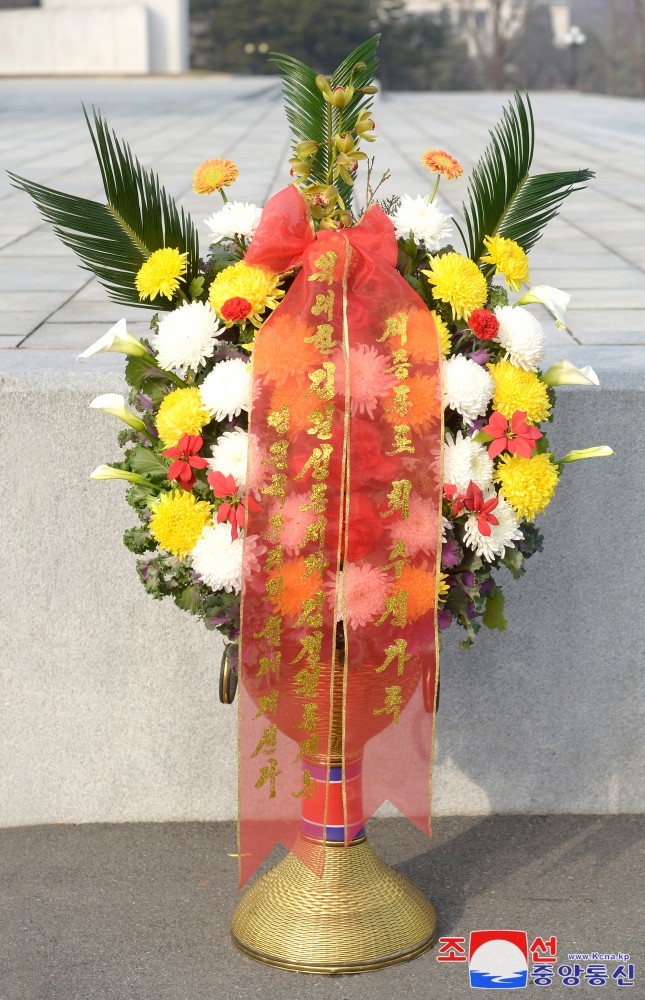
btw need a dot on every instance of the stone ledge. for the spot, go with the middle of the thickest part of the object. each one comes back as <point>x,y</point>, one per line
<point>111,698</point>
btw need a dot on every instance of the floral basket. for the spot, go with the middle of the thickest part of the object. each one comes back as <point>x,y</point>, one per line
<point>335,437</point>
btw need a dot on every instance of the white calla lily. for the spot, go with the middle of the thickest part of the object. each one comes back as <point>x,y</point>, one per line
<point>564,373</point>
<point>600,451</point>
<point>553,299</point>
<point>114,403</point>
<point>108,472</point>
<point>117,339</point>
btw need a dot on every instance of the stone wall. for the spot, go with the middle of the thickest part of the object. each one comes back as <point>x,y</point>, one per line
<point>109,699</point>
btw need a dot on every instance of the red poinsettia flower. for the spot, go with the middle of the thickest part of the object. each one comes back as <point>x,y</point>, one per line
<point>186,460</point>
<point>513,435</point>
<point>458,499</point>
<point>232,508</point>
<point>475,503</point>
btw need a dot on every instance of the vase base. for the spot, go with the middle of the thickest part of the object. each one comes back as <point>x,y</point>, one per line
<point>359,916</point>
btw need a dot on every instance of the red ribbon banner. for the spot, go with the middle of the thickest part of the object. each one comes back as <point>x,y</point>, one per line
<point>338,654</point>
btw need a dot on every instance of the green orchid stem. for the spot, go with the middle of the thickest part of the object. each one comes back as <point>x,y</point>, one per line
<point>462,340</point>
<point>183,296</point>
<point>436,185</point>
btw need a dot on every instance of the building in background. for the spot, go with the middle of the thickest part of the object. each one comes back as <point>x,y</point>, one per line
<point>478,21</point>
<point>68,37</point>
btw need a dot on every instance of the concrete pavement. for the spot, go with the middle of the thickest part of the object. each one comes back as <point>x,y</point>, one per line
<point>141,912</point>
<point>596,250</point>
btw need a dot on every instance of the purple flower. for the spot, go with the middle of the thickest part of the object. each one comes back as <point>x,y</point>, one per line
<point>144,402</point>
<point>481,356</point>
<point>468,579</point>
<point>449,554</point>
<point>444,618</point>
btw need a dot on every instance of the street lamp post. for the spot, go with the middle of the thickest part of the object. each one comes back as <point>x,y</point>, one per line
<point>574,39</point>
<point>251,49</point>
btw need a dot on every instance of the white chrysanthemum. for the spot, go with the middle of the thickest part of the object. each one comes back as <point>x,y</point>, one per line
<point>254,547</point>
<point>421,217</point>
<point>521,336</point>
<point>465,460</point>
<point>226,391</point>
<point>467,387</point>
<point>229,456</point>
<point>187,336</point>
<point>218,559</point>
<point>236,218</point>
<point>502,535</point>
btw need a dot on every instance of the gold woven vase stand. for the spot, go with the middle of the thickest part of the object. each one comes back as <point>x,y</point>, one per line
<point>360,915</point>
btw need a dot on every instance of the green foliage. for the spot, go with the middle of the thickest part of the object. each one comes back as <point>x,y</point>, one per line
<point>310,116</point>
<point>196,288</point>
<point>533,539</point>
<point>189,599</point>
<point>139,540</point>
<point>221,605</point>
<point>421,51</point>
<point>145,376</point>
<point>513,559</point>
<point>497,296</point>
<point>391,204</point>
<point>317,34</point>
<point>148,463</point>
<point>114,239</point>
<point>493,617</point>
<point>503,198</point>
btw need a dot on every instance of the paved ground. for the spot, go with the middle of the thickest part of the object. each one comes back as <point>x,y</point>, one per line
<point>596,250</point>
<point>141,912</point>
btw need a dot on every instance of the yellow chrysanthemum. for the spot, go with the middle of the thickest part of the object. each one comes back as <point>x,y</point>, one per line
<point>445,341</point>
<point>178,520</point>
<point>181,412</point>
<point>459,282</point>
<point>443,589</point>
<point>213,175</point>
<point>527,483</point>
<point>517,389</point>
<point>257,286</point>
<point>509,259</point>
<point>161,273</point>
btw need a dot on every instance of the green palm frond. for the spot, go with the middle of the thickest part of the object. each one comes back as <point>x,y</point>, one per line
<point>309,114</point>
<point>114,239</point>
<point>503,199</point>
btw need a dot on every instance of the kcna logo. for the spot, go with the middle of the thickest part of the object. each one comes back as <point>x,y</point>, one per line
<point>498,960</point>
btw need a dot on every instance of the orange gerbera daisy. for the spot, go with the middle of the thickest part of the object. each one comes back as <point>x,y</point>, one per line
<point>213,175</point>
<point>440,162</point>
<point>296,587</point>
<point>291,395</point>
<point>420,587</point>
<point>281,350</point>
<point>421,343</point>
<point>422,402</point>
